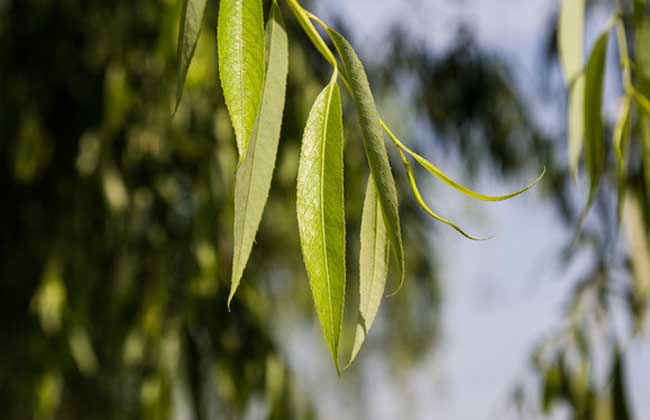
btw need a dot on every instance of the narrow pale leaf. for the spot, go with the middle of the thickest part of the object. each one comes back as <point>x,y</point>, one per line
<point>621,142</point>
<point>571,47</point>
<point>241,64</point>
<point>321,211</point>
<point>593,119</point>
<point>188,36</point>
<point>253,177</point>
<point>373,142</point>
<point>373,266</point>
<point>571,38</point>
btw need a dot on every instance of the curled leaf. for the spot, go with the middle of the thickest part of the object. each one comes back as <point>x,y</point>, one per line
<point>253,177</point>
<point>241,64</point>
<point>321,212</point>
<point>435,171</point>
<point>420,200</point>
<point>373,266</point>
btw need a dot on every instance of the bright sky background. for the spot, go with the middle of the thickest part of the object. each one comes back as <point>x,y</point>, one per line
<point>499,297</point>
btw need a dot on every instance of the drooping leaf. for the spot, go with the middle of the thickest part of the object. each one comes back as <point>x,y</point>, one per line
<point>435,171</point>
<point>188,36</point>
<point>373,266</point>
<point>423,205</point>
<point>240,34</point>
<point>321,212</point>
<point>571,47</point>
<point>593,118</point>
<point>621,142</point>
<point>373,142</point>
<point>253,177</point>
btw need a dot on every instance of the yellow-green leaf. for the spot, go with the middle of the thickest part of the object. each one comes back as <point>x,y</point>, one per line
<point>423,205</point>
<point>593,119</point>
<point>576,124</point>
<point>373,266</point>
<point>241,64</point>
<point>253,177</point>
<point>373,142</point>
<point>321,211</point>
<point>642,72</point>
<point>188,36</point>
<point>435,171</point>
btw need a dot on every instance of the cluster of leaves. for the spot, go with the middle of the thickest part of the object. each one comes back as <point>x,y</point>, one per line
<point>253,69</point>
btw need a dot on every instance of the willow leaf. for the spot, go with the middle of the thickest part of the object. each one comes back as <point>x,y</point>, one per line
<point>593,118</point>
<point>373,142</point>
<point>642,72</point>
<point>321,212</point>
<point>373,266</point>
<point>571,47</point>
<point>621,142</point>
<point>188,36</point>
<point>420,200</point>
<point>620,407</point>
<point>241,64</point>
<point>253,177</point>
<point>435,171</point>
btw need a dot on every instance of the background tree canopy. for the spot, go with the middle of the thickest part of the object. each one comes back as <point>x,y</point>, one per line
<point>117,241</point>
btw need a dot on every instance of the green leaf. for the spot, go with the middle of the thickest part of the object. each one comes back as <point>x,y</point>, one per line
<point>253,177</point>
<point>373,266</point>
<point>621,142</point>
<point>593,118</point>
<point>188,36</point>
<point>571,47</point>
<point>373,142</point>
<point>321,211</point>
<point>241,64</point>
<point>642,73</point>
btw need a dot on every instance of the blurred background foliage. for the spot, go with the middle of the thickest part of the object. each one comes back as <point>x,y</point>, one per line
<point>116,238</point>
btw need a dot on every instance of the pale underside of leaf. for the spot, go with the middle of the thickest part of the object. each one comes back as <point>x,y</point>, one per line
<point>241,64</point>
<point>253,176</point>
<point>373,142</point>
<point>188,36</point>
<point>321,211</point>
<point>373,266</point>
<point>593,119</point>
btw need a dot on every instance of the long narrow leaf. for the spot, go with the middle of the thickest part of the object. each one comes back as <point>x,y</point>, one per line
<point>373,142</point>
<point>241,64</point>
<point>321,212</point>
<point>593,120</point>
<point>373,266</point>
<point>188,36</point>
<point>642,72</point>
<point>253,177</point>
